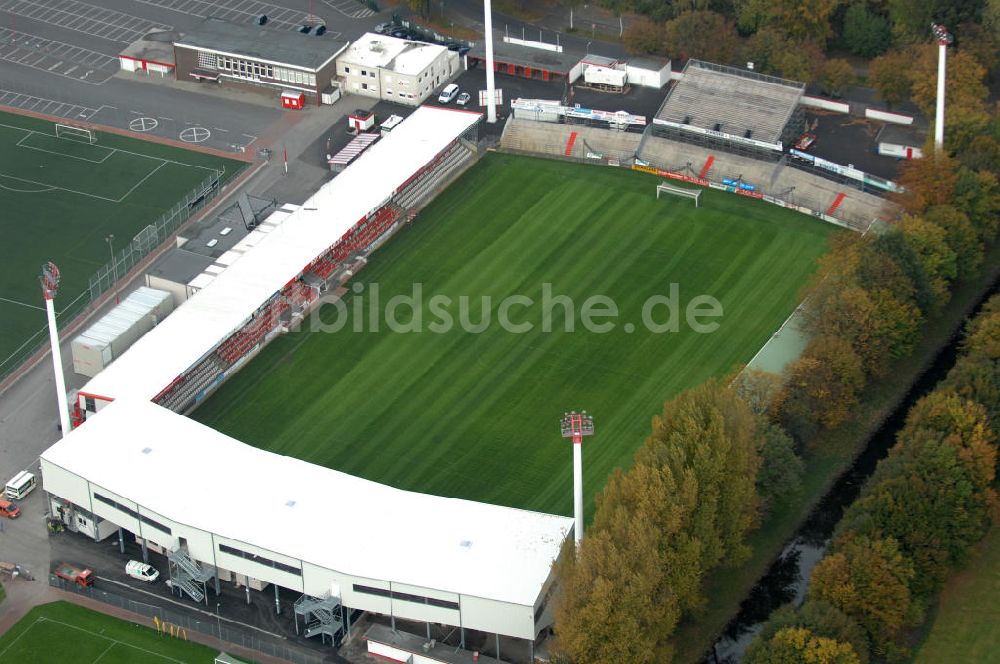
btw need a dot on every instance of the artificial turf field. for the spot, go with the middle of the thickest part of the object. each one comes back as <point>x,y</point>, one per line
<point>64,632</point>
<point>477,415</point>
<point>61,198</point>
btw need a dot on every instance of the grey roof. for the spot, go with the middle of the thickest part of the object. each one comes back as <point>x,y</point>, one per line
<point>901,135</point>
<point>180,266</point>
<point>648,62</point>
<point>263,43</point>
<point>736,99</point>
<point>525,56</point>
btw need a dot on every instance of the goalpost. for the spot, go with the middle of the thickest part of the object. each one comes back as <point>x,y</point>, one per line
<point>665,188</point>
<point>72,132</point>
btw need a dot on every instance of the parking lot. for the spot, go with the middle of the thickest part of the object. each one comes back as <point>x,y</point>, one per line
<point>56,57</point>
<point>237,11</point>
<point>82,17</point>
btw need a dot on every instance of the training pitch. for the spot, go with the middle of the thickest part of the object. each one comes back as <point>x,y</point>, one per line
<point>63,632</point>
<point>62,197</point>
<point>476,415</point>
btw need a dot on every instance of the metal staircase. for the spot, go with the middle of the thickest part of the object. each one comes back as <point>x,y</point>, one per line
<point>187,575</point>
<point>320,616</point>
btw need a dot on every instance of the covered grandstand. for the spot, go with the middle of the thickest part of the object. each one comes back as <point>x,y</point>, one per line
<point>732,109</point>
<point>414,556</point>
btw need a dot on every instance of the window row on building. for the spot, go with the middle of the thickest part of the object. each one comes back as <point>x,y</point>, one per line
<point>253,557</point>
<point>253,70</point>
<point>132,513</point>
<point>406,597</point>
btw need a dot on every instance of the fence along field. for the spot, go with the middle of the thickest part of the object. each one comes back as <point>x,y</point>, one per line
<point>63,196</point>
<point>475,415</point>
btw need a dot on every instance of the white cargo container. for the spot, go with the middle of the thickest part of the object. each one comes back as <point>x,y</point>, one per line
<point>121,327</point>
<point>596,75</point>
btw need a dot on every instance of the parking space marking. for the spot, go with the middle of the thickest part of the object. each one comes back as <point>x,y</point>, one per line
<point>237,11</point>
<point>83,17</point>
<point>62,109</point>
<point>350,8</point>
<point>55,57</point>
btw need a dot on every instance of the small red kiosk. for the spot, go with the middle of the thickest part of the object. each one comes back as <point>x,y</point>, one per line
<point>294,100</point>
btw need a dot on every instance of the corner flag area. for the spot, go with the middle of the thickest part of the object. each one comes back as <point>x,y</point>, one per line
<point>475,415</point>
<point>63,195</point>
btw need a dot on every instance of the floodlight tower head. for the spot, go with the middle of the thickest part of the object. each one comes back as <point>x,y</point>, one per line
<point>49,280</point>
<point>576,426</point>
<point>941,34</point>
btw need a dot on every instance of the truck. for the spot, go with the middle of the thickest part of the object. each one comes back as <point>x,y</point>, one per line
<point>81,576</point>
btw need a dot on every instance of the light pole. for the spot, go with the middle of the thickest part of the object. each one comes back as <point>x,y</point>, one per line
<point>218,617</point>
<point>491,109</point>
<point>111,248</point>
<point>944,39</point>
<point>576,425</point>
<point>50,285</point>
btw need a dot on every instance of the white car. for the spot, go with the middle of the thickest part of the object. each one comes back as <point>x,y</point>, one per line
<point>142,571</point>
<point>463,99</point>
<point>448,94</point>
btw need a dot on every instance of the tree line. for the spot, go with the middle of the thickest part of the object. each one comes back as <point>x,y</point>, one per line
<point>790,38</point>
<point>927,504</point>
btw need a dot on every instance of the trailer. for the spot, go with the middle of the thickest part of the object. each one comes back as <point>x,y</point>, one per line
<point>80,576</point>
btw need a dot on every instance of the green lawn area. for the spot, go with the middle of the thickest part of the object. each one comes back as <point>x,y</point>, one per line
<point>64,632</point>
<point>61,198</point>
<point>967,622</point>
<point>476,415</point>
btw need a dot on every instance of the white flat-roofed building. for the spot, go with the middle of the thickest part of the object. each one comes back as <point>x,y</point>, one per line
<point>399,70</point>
<point>486,567</point>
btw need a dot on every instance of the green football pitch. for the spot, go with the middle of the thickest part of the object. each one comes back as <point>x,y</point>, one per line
<point>64,632</point>
<point>476,415</point>
<point>61,198</point>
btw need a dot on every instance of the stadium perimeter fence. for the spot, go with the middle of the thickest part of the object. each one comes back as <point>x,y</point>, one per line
<point>124,259</point>
<point>207,625</point>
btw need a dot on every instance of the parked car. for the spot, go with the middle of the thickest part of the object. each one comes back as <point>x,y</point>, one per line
<point>384,28</point>
<point>9,509</point>
<point>401,33</point>
<point>448,94</point>
<point>463,99</point>
<point>142,571</point>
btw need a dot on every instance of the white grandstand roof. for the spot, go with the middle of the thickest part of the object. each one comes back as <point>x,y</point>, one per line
<point>454,545</point>
<point>224,305</point>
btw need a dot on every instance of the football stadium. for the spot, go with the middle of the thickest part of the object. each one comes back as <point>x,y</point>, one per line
<point>363,408</point>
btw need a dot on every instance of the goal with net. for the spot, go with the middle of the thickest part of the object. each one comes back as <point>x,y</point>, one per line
<point>665,188</point>
<point>74,133</point>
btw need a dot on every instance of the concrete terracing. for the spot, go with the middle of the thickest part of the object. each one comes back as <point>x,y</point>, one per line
<point>553,139</point>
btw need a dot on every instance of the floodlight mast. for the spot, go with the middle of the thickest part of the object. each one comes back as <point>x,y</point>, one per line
<point>491,109</point>
<point>944,39</point>
<point>576,425</point>
<point>50,285</point>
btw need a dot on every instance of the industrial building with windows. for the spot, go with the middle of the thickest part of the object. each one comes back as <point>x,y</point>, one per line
<point>258,58</point>
<point>253,520</point>
<point>393,69</point>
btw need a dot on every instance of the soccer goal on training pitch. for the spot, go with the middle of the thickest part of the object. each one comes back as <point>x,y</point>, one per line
<point>664,188</point>
<point>74,133</point>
